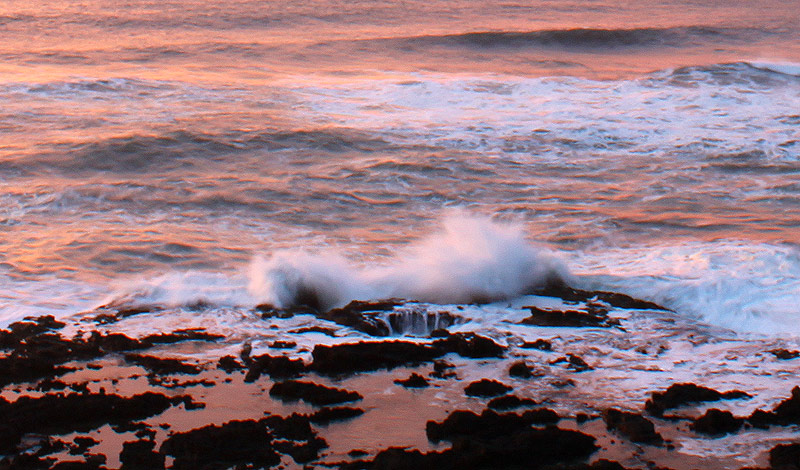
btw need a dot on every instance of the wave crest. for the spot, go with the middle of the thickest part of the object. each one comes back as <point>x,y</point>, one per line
<point>587,37</point>
<point>471,259</point>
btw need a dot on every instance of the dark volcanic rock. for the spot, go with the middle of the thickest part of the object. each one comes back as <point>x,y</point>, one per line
<point>270,311</point>
<point>574,362</point>
<point>274,366</point>
<point>355,315</point>
<point>38,359</point>
<point>293,428</point>
<point>161,366</point>
<point>785,413</point>
<point>541,344</point>
<point>38,353</point>
<point>92,462</point>
<point>564,292</point>
<point>577,364</point>
<point>486,388</point>
<point>524,448</point>
<point>462,423</point>
<point>541,416</point>
<point>81,444</point>
<point>785,354</point>
<point>716,422</point>
<point>296,427</point>
<point>25,462</point>
<point>229,364</point>
<point>19,331</point>
<point>488,424</point>
<point>442,369</point>
<point>139,455</point>
<point>520,370</point>
<point>631,425</point>
<point>232,444</point>
<point>61,414</point>
<point>680,394</point>
<point>509,402</point>
<point>374,355</point>
<point>421,321</point>
<point>315,394</point>
<point>178,336</point>
<point>283,345</point>
<point>326,415</point>
<point>469,345</point>
<point>413,381</point>
<point>314,329</point>
<point>47,385</point>
<point>366,356</point>
<point>122,312</point>
<point>785,457</point>
<point>571,318</point>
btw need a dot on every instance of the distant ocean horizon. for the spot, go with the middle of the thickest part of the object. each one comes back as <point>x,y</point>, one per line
<point>186,153</point>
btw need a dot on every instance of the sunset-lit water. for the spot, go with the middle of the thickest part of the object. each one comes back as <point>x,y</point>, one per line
<point>177,151</point>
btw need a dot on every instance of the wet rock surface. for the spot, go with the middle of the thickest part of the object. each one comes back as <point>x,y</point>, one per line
<point>568,318</point>
<point>368,356</point>
<point>785,413</point>
<point>231,444</point>
<point>161,366</point>
<point>541,344</point>
<point>312,393</point>
<point>784,354</point>
<point>631,425</point>
<point>34,351</point>
<point>506,434</point>
<point>785,457</point>
<point>356,315</point>
<point>614,299</point>
<point>549,446</point>
<point>375,355</point>
<point>717,422</point>
<point>509,402</point>
<point>486,388</point>
<point>489,423</point>
<point>413,381</point>
<point>686,393</point>
<point>327,414</point>
<point>62,413</point>
<point>520,370</point>
<point>256,443</point>
<point>140,455</point>
<point>274,366</point>
<point>489,440</point>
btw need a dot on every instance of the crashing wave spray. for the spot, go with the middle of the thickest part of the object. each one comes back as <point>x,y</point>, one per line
<point>471,258</point>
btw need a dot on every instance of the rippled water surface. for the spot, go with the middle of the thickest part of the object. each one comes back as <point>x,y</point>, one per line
<point>652,147</point>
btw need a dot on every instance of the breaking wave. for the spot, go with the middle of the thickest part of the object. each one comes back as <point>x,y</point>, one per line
<point>587,37</point>
<point>178,149</point>
<point>737,285</point>
<point>471,259</point>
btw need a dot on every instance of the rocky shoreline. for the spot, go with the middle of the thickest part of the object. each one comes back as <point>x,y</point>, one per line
<point>82,396</point>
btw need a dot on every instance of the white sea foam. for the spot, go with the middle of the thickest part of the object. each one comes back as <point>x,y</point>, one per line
<point>20,298</point>
<point>784,67</point>
<point>470,258</point>
<point>495,113</point>
<point>734,284</point>
<point>738,285</point>
<point>185,288</point>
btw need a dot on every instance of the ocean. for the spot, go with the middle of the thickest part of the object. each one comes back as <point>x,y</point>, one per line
<point>228,154</point>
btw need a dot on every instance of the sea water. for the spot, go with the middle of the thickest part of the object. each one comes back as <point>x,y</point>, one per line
<point>232,153</point>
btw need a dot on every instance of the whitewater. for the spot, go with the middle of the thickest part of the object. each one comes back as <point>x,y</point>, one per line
<point>185,155</point>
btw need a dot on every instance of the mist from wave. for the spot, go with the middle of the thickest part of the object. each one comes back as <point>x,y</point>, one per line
<point>746,287</point>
